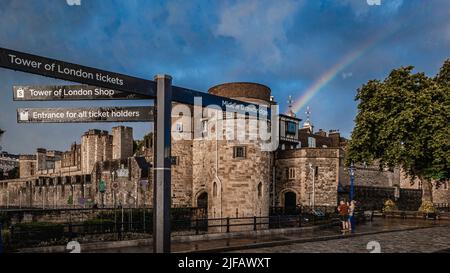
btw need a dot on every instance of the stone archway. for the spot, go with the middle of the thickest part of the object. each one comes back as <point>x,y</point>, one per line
<point>202,210</point>
<point>202,200</point>
<point>290,201</point>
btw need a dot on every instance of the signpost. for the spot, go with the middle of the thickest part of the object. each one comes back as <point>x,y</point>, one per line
<point>77,115</point>
<point>73,72</point>
<point>100,84</point>
<point>114,81</point>
<point>161,171</point>
<point>70,92</point>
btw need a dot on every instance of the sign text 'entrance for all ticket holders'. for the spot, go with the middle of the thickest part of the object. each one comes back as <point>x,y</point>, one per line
<point>94,114</point>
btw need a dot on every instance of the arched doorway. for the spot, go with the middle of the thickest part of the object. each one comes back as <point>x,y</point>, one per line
<point>202,212</point>
<point>202,203</point>
<point>290,202</point>
<point>202,200</point>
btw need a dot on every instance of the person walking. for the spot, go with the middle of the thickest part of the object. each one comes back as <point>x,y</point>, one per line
<point>343,210</point>
<point>351,215</point>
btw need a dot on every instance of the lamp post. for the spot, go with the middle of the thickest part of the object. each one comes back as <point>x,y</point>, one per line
<point>351,171</point>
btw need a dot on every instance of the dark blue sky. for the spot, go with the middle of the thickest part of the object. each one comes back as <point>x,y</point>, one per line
<point>287,45</point>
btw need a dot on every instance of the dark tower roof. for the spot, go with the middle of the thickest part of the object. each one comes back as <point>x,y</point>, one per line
<point>242,90</point>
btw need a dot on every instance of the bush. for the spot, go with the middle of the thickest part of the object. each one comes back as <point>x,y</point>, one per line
<point>98,226</point>
<point>37,232</point>
<point>389,206</point>
<point>6,235</point>
<point>427,207</point>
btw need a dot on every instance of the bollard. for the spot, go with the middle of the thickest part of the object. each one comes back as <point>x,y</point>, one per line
<point>228,224</point>
<point>254,223</point>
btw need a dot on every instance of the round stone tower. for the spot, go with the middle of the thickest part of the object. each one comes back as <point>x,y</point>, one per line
<point>231,175</point>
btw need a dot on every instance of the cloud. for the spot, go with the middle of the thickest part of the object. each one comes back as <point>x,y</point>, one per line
<point>259,27</point>
<point>286,45</point>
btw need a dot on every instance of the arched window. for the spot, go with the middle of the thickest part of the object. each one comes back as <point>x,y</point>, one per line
<point>215,189</point>
<point>259,189</point>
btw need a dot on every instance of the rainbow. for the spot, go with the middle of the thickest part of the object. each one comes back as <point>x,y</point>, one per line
<point>331,73</point>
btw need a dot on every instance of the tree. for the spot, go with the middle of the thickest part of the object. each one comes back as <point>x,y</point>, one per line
<point>146,142</point>
<point>1,133</point>
<point>404,121</point>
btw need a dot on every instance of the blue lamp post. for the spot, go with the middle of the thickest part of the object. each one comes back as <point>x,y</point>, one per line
<point>351,171</point>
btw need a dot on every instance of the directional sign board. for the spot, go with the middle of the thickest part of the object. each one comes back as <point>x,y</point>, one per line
<point>187,96</point>
<point>76,115</point>
<point>73,72</point>
<point>70,92</point>
<point>95,77</point>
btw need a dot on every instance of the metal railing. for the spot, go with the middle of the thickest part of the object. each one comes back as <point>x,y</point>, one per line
<point>123,227</point>
<point>444,207</point>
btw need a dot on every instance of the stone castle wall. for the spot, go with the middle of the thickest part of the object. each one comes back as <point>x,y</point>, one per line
<point>440,190</point>
<point>325,163</point>
<point>370,176</point>
<point>122,142</point>
<point>96,146</point>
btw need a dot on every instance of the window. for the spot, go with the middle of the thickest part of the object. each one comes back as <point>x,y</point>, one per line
<point>239,152</point>
<point>283,147</point>
<point>291,128</point>
<point>215,189</point>
<point>316,172</point>
<point>260,190</point>
<point>311,142</point>
<point>179,127</point>
<point>174,160</point>
<point>205,126</point>
<point>290,173</point>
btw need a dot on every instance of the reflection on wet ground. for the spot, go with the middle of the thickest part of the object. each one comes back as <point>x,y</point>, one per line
<point>378,225</point>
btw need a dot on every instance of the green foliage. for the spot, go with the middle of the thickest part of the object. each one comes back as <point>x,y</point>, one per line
<point>404,121</point>
<point>146,142</point>
<point>12,174</point>
<point>389,206</point>
<point>70,200</point>
<point>427,207</point>
<point>37,232</point>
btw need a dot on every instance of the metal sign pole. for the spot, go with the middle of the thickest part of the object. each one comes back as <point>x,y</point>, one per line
<point>162,165</point>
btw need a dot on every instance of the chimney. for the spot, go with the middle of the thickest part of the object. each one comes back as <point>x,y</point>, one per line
<point>321,133</point>
<point>335,138</point>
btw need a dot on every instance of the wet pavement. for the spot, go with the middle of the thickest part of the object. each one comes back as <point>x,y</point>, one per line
<point>327,237</point>
<point>428,240</point>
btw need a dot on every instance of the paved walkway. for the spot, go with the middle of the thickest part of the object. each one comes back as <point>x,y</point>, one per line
<point>358,244</point>
<point>436,239</point>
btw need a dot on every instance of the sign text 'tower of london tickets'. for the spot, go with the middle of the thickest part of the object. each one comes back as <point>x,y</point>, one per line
<point>76,73</point>
<point>70,92</point>
<point>94,114</point>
